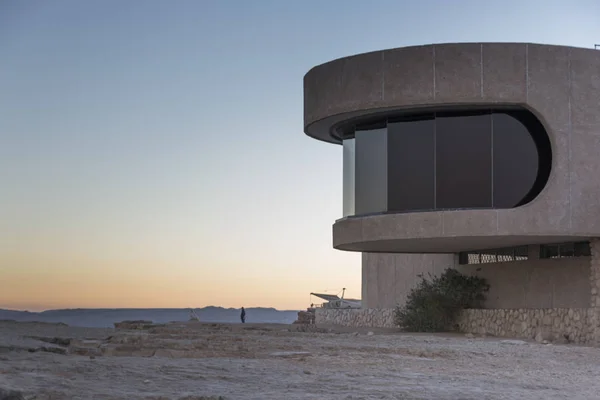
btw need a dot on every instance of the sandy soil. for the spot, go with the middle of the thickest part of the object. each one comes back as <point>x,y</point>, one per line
<point>197,361</point>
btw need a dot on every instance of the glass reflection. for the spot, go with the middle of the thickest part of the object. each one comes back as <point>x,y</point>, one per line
<point>411,162</point>
<point>349,163</point>
<point>371,171</point>
<point>463,151</point>
<point>515,161</point>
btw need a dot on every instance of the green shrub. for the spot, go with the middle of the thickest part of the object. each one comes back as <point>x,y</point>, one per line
<point>434,305</point>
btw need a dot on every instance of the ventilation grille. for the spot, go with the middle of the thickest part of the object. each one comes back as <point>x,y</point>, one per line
<point>506,254</point>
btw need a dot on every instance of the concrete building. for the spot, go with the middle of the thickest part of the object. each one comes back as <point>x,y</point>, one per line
<point>479,156</point>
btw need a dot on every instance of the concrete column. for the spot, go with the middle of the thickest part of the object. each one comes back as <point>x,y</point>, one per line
<point>364,298</point>
<point>594,311</point>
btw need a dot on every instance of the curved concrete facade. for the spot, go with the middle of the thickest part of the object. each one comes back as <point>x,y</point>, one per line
<point>559,85</point>
<point>387,279</point>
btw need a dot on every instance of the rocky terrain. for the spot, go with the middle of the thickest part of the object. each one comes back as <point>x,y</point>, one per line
<point>269,361</point>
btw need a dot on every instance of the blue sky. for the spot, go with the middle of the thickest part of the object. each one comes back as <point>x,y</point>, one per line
<point>152,153</point>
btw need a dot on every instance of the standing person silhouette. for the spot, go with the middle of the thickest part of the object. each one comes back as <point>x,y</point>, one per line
<point>243,316</point>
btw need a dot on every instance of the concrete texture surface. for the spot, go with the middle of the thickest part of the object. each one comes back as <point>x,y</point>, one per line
<point>388,278</point>
<point>541,283</point>
<point>535,283</point>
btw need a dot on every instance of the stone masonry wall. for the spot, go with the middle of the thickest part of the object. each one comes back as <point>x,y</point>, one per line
<point>370,317</point>
<point>552,324</point>
<point>579,325</point>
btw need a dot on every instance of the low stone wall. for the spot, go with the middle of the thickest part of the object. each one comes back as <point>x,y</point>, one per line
<point>369,317</point>
<point>553,324</point>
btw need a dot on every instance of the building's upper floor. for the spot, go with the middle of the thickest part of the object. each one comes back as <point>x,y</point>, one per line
<point>457,147</point>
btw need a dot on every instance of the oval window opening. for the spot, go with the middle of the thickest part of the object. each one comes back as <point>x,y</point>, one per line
<point>476,159</point>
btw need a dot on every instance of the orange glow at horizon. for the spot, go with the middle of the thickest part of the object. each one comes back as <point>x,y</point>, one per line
<point>42,282</point>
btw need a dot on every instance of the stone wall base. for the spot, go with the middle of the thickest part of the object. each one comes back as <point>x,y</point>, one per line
<point>369,317</point>
<point>571,325</point>
<point>552,324</point>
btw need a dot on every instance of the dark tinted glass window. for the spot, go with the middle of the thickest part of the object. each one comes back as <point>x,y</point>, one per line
<point>582,249</point>
<point>371,171</point>
<point>549,251</point>
<point>411,165</point>
<point>515,164</point>
<point>449,160</point>
<point>349,177</point>
<point>463,161</point>
<point>563,250</point>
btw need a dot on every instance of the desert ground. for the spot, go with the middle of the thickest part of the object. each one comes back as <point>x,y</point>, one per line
<point>258,361</point>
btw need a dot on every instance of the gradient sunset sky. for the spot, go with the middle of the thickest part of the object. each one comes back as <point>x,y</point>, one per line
<point>152,152</point>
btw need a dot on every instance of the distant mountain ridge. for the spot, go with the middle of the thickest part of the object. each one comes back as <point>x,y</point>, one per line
<point>106,317</point>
